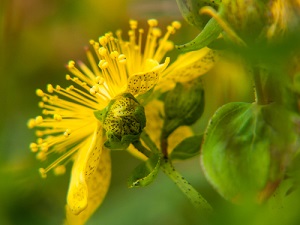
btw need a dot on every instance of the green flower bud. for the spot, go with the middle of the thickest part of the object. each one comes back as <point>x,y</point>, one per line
<point>183,105</point>
<point>123,120</point>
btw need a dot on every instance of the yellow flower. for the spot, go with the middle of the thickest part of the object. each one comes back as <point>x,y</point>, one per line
<point>69,127</point>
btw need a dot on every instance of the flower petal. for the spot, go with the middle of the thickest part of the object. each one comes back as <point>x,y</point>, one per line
<point>188,66</point>
<point>98,185</point>
<point>140,83</point>
<point>85,165</point>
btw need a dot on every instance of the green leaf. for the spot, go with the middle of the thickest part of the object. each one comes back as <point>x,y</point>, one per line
<point>188,148</point>
<point>145,173</point>
<point>210,33</point>
<point>246,149</point>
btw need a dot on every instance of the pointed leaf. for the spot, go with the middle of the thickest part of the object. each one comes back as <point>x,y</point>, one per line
<point>145,173</point>
<point>188,148</point>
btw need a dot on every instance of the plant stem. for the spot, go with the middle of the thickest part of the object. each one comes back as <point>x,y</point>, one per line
<point>187,189</point>
<point>138,145</point>
<point>259,93</point>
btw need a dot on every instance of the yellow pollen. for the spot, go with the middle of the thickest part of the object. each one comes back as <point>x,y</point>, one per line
<point>103,40</point>
<point>41,104</point>
<point>39,133</point>
<point>50,88</point>
<point>133,24</point>
<point>41,156</point>
<point>71,64</point>
<point>152,22</point>
<point>33,147</point>
<point>38,120</point>
<point>102,51</point>
<point>39,141</point>
<point>44,147</point>
<point>39,93</point>
<point>176,25</point>
<point>57,117</point>
<point>156,32</point>
<point>45,99</point>
<point>67,133</point>
<point>114,54</point>
<point>31,123</point>
<point>99,80</point>
<point>59,170</point>
<point>45,112</point>
<point>103,64</point>
<point>92,91</point>
<point>122,59</point>
<point>68,77</point>
<point>57,88</point>
<point>43,172</point>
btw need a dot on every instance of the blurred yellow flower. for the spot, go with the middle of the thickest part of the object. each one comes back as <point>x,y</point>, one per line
<point>69,127</point>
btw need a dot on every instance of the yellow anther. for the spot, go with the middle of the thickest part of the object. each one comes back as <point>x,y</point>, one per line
<point>41,156</point>
<point>67,133</point>
<point>103,40</point>
<point>43,172</point>
<point>133,24</point>
<point>39,141</point>
<point>99,80</point>
<point>122,58</point>
<point>59,170</point>
<point>68,77</point>
<point>96,87</point>
<point>50,88</point>
<point>114,54</point>
<point>169,45</point>
<point>92,91</point>
<point>71,64</point>
<point>156,32</point>
<point>31,123</point>
<point>45,99</point>
<point>41,104</point>
<point>92,42</point>
<point>33,147</point>
<point>39,133</point>
<point>57,88</point>
<point>130,33</point>
<point>38,120</point>
<point>141,31</point>
<point>152,22</point>
<point>44,147</point>
<point>103,64</point>
<point>176,24</point>
<point>57,117</point>
<point>45,112</point>
<point>102,51</point>
<point>171,29</point>
<point>39,93</point>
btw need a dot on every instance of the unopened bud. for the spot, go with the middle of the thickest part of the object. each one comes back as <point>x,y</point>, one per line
<point>123,120</point>
<point>183,105</point>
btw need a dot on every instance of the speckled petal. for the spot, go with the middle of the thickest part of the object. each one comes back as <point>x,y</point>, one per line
<point>140,83</point>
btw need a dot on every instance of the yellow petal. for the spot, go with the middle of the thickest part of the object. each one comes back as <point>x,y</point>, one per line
<point>84,167</point>
<point>98,185</point>
<point>188,67</point>
<point>142,82</point>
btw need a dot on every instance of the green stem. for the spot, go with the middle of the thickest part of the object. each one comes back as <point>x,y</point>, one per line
<point>259,93</point>
<point>187,189</point>
<point>138,145</point>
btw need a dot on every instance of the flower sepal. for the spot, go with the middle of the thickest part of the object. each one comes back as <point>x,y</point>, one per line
<point>123,120</point>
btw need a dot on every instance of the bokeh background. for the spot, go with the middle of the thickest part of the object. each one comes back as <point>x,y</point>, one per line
<point>38,37</point>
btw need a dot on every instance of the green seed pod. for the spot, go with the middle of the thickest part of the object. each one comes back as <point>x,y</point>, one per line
<point>183,105</point>
<point>123,120</point>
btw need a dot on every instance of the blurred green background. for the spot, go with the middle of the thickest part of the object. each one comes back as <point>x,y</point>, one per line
<point>37,38</point>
